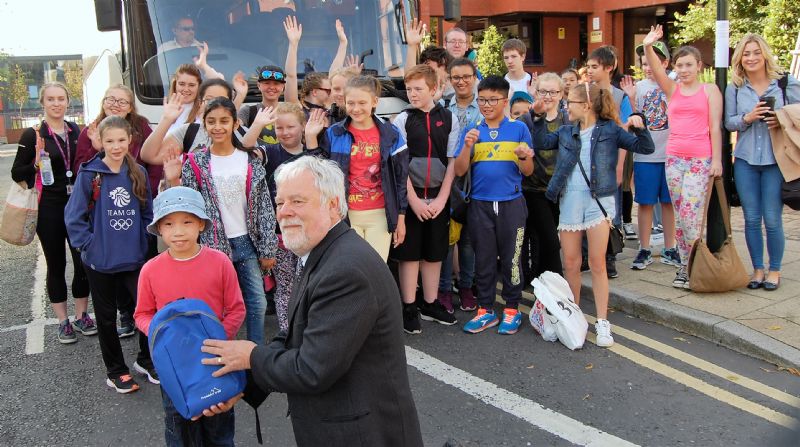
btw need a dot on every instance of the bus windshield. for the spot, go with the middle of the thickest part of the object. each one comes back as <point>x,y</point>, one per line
<point>245,34</point>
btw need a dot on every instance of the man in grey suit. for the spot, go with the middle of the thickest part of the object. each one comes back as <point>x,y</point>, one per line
<point>342,361</point>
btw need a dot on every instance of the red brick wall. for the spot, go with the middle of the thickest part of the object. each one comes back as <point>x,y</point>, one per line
<point>558,52</point>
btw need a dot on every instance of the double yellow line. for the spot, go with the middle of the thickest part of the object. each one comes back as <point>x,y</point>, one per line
<point>692,382</point>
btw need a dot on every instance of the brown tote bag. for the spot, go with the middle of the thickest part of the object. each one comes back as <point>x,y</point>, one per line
<point>721,271</point>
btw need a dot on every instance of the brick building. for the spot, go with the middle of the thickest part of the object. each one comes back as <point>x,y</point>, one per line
<point>559,31</point>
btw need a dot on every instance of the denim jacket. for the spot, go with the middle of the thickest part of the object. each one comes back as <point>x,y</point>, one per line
<point>336,144</point>
<point>607,138</point>
<point>753,142</point>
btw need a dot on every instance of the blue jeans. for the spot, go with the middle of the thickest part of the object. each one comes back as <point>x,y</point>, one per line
<point>466,264</point>
<point>214,431</point>
<point>251,281</point>
<point>759,189</point>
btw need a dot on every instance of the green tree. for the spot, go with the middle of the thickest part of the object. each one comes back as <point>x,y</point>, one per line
<point>699,21</point>
<point>17,88</point>
<point>490,55</point>
<point>781,26</point>
<point>73,80</point>
<point>5,75</point>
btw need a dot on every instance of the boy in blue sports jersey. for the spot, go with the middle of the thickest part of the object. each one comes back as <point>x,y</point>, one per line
<point>498,151</point>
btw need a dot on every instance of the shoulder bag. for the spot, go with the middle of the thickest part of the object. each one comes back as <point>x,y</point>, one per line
<point>616,240</point>
<point>721,271</point>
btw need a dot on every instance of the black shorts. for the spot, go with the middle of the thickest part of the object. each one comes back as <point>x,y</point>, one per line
<point>425,241</point>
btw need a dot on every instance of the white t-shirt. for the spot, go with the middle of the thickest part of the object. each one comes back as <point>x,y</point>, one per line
<point>230,175</point>
<point>652,102</point>
<point>182,118</point>
<point>520,85</point>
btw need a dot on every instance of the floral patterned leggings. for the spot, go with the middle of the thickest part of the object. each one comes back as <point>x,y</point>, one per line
<point>285,265</point>
<point>687,179</point>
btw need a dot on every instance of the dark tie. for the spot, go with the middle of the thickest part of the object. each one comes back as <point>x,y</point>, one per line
<point>298,271</point>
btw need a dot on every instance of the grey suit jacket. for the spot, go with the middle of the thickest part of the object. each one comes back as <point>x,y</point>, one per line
<point>342,361</point>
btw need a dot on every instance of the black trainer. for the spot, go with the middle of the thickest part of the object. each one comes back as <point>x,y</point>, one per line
<point>150,373</point>
<point>435,311</point>
<point>611,268</point>
<point>411,319</point>
<point>126,326</point>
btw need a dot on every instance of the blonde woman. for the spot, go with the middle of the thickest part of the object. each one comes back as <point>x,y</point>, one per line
<point>754,87</point>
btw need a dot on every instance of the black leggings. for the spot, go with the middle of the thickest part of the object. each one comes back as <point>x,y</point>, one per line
<point>110,292</point>
<point>627,206</point>
<point>52,234</point>
<point>541,248</point>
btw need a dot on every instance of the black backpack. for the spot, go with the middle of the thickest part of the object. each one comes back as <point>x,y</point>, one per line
<point>189,136</point>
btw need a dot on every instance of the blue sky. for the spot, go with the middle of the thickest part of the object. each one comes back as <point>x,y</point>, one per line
<point>49,27</point>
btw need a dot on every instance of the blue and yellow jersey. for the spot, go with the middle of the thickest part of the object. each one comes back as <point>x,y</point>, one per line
<point>495,174</point>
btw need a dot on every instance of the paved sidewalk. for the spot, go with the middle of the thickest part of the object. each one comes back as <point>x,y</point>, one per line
<point>755,322</point>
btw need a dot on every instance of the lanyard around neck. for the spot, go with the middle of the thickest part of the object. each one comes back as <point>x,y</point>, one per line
<point>65,155</point>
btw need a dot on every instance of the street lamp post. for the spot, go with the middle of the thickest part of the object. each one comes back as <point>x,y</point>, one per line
<point>716,234</point>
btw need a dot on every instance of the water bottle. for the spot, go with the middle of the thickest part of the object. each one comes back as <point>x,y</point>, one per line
<point>46,169</point>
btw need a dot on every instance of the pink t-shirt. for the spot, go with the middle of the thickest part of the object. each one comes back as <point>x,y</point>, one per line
<point>209,276</point>
<point>689,134</point>
<point>366,192</point>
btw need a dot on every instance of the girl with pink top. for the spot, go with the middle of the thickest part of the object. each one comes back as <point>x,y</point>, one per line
<point>694,146</point>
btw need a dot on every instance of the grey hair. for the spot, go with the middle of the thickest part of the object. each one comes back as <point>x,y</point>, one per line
<point>328,178</point>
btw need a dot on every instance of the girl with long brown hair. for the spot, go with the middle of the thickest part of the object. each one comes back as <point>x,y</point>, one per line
<point>106,220</point>
<point>585,183</point>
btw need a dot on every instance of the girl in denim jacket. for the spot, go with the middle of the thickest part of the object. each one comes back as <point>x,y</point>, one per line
<point>592,142</point>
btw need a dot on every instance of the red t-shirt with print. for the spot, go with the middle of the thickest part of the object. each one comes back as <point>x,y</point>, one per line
<point>366,192</point>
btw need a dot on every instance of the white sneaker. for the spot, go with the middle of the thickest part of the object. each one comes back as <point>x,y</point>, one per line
<point>603,330</point>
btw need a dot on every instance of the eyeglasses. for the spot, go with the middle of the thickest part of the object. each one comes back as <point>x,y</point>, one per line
<point>326,90</point>
<point>548,92</point>
<point>457,43</point>
<point>575,102</point>
<point>489,101</point>
<point>110,100</point>
<point>458,79</point>
<point>186,28</point>
<point>269,75</point>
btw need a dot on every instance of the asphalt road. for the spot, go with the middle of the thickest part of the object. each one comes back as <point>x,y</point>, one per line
<point>657,387</point>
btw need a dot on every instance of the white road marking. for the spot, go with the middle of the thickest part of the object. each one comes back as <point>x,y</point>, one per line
<point>534,413</point>
<point>34,336</point>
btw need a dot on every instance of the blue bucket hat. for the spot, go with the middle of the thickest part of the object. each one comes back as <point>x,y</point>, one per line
<point>521,96</point>
<point>177,199</point>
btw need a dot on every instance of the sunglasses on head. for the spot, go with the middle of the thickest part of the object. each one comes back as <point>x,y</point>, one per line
<point>267,75</point>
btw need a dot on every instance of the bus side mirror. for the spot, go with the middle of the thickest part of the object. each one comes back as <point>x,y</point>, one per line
<point>452,10</point>
<point>108,14</point>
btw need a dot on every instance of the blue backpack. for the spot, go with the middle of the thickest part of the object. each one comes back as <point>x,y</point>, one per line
<point>176,335</point>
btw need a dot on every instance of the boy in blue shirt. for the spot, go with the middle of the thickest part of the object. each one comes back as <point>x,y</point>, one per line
<point>498,151</point>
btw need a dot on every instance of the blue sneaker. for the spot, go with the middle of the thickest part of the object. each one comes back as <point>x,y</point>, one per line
<point>671,257</point>
<point>512,318</point>
<point>482,321</point>
<point>643,259</point>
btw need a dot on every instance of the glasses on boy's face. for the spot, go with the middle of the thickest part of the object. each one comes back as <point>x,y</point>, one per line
<point>457,43</point>
<point>489,101</point>
<point>550,93</point>
<point>460,79</point>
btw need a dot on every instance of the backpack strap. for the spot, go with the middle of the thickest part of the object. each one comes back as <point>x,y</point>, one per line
<point>95,196</point>
<point>783,83</point>
<point>189,136</point>
<point>251,115</point>
<point>195,168</point>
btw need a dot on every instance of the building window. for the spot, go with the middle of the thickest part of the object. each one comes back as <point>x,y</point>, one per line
<point>527,29</point>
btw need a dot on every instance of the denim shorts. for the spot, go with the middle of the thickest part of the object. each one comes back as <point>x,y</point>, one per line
<point>579,211</point>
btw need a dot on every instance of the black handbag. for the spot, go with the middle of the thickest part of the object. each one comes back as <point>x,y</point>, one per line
<point>790,194</point>
<point>459,197</point>
<point>616,240</point>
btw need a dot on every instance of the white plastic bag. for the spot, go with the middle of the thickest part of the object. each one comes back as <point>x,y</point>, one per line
<point>18,225</point>
<point>567,318</point>
<point>542,322</point>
